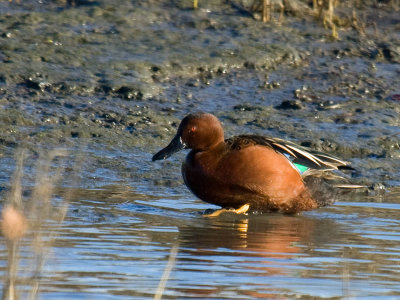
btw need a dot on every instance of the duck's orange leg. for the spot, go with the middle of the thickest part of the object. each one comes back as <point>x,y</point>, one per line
<point>241,210</point>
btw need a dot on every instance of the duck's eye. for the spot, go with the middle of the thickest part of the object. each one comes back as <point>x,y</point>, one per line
<point>193,129</point>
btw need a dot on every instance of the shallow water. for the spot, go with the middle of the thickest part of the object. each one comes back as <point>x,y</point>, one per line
<point>109,82</point>
<point>116,242</point>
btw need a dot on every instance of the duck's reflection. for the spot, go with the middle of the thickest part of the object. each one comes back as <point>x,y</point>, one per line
<point>258,245</point>
<point>274,237</point>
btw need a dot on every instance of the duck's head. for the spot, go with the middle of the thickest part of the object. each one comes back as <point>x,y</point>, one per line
<point>199,132</point>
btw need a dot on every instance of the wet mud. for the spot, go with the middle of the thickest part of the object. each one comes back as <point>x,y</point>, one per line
<point>118,76</point>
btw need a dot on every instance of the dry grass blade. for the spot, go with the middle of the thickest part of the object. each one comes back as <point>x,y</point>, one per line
<point>13,227</point>
<point>167,271</point>
<point>40,212</point>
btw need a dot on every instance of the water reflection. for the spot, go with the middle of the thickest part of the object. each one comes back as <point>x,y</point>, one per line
<point>258,248</point>
<point>271,236</point>
<point>116,241</point>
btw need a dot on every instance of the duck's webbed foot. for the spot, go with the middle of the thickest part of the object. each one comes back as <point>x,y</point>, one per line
<point>241,210</point>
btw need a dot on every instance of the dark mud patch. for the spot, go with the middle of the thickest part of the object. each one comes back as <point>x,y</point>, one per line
<point>118,77</point>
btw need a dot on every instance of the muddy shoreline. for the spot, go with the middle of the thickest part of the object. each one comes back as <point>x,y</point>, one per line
<point>118,77</point>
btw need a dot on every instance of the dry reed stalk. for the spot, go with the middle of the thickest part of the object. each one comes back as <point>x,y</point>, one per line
<point>324,11</point>
<point>267,11</point>
<point>13,227</point>
<point>44,219</point>
<point>42,212</point>
<point>167,271</point>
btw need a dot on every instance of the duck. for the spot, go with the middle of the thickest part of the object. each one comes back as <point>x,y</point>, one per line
<point>252,172</point>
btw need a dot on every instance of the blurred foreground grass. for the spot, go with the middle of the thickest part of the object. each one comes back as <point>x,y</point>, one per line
<point>32,221</point>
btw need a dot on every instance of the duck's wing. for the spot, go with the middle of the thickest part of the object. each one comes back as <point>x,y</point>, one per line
<point>295,153</point>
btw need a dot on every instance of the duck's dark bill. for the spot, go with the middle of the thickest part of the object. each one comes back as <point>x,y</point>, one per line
<point>174,146</point>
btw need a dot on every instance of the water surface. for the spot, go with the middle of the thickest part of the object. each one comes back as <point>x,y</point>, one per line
<point>116,242</point>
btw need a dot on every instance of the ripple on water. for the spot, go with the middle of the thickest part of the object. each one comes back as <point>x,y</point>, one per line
<point>121,249</point>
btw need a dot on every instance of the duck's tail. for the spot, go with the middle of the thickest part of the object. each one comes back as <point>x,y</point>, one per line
<point>325,192</point>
